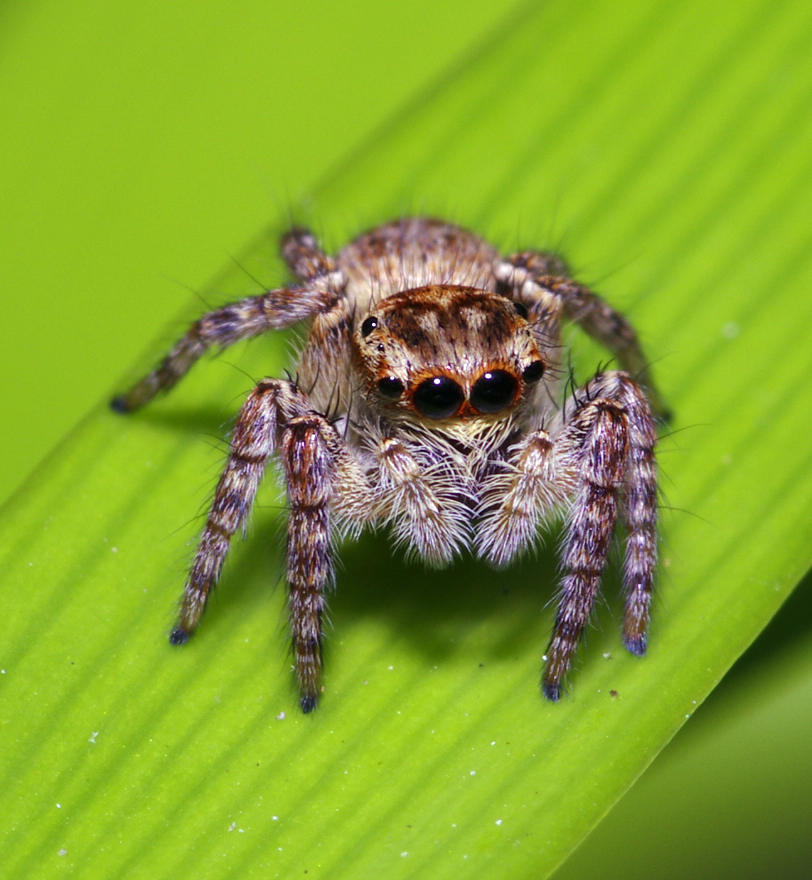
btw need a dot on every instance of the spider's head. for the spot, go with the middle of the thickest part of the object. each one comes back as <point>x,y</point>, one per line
<point>447,352</point>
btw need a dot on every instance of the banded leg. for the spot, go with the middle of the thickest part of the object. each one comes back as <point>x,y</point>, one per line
<point>600,456</point>
<point>310,471</point>
<point>240,320</point>
<point>272,310</point>
<point>639,513</point>
<point>528,270</point>
<point>301,251</point>
<point>639,500</point>
<point>252,442</point>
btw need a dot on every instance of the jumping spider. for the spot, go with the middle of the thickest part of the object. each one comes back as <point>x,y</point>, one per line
<point>425,399</point>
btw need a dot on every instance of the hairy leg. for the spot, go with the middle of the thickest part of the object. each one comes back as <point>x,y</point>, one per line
<point>607,433</point>
<point>550,294</point>
<point>241,320</point>
<point>310,475</point>
<point>252,442</point>
<point>596,442</point>
<point>316,462</point>
<point>249,317</point>
<point>305,258</point>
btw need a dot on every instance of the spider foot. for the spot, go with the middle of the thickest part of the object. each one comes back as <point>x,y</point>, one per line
<point>308,703</point>
<point>636,644</point>
<point>119,404</point>
<point>179,636</point>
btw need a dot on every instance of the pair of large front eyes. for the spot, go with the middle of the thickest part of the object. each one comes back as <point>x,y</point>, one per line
<point>440,397</point>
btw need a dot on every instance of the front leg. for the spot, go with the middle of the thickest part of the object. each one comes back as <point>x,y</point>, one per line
<point>310,475</point>
<point>316,462</point>
<point>252,442</point>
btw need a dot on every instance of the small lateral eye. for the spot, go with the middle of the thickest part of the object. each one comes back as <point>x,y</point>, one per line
<point>438,397</point>
<point>369,325</point>
<point>533,371</point>
<point>493,391</point>
<point>521,310</point>
<point>391,387</point>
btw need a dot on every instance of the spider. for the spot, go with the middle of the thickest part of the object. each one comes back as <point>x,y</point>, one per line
<point>426,399</point>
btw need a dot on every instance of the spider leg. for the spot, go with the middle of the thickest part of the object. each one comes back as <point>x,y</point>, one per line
<point>252,442</point>
<point>640,515</point>
<point>323,476</point>
<point>271,404</point>
<point>301,251</point>
<point>608,439</point>
<point>548,293</point>
<point>310,472</point>
<point>316,462</point>
<point>249,317</point>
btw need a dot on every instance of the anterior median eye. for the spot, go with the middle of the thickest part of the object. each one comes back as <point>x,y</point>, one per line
<point>391,387</point>
<point>493,391</point>
<point>438,397</point>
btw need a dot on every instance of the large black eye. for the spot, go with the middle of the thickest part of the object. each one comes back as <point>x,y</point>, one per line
<point>391,387</point>
<point>369,325</point>
<point>438,398</point>
<point>521,309</point>
<point>533,371</point>
<point>493,391</point>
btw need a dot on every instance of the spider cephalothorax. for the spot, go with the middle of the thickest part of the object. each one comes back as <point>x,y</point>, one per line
<point>446,351</point>
<point>426,399</point>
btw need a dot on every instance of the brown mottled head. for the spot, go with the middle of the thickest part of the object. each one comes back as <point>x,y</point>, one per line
<point>446,351</point>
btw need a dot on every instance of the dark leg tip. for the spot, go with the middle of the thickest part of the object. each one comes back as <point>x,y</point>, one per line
<point>179,636</point>
<point>551,691</point>
<point>119,404</point>
<point>636,644</point>
<point>308,703</point>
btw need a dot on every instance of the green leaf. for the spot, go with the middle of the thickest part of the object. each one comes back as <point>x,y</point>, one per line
<point>729,796</point>
<point>664,148</point>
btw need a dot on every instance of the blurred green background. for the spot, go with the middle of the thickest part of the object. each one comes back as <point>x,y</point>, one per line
<point>145,144</point>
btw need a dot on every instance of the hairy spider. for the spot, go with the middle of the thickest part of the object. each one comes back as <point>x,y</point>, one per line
<point>426,399</point>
